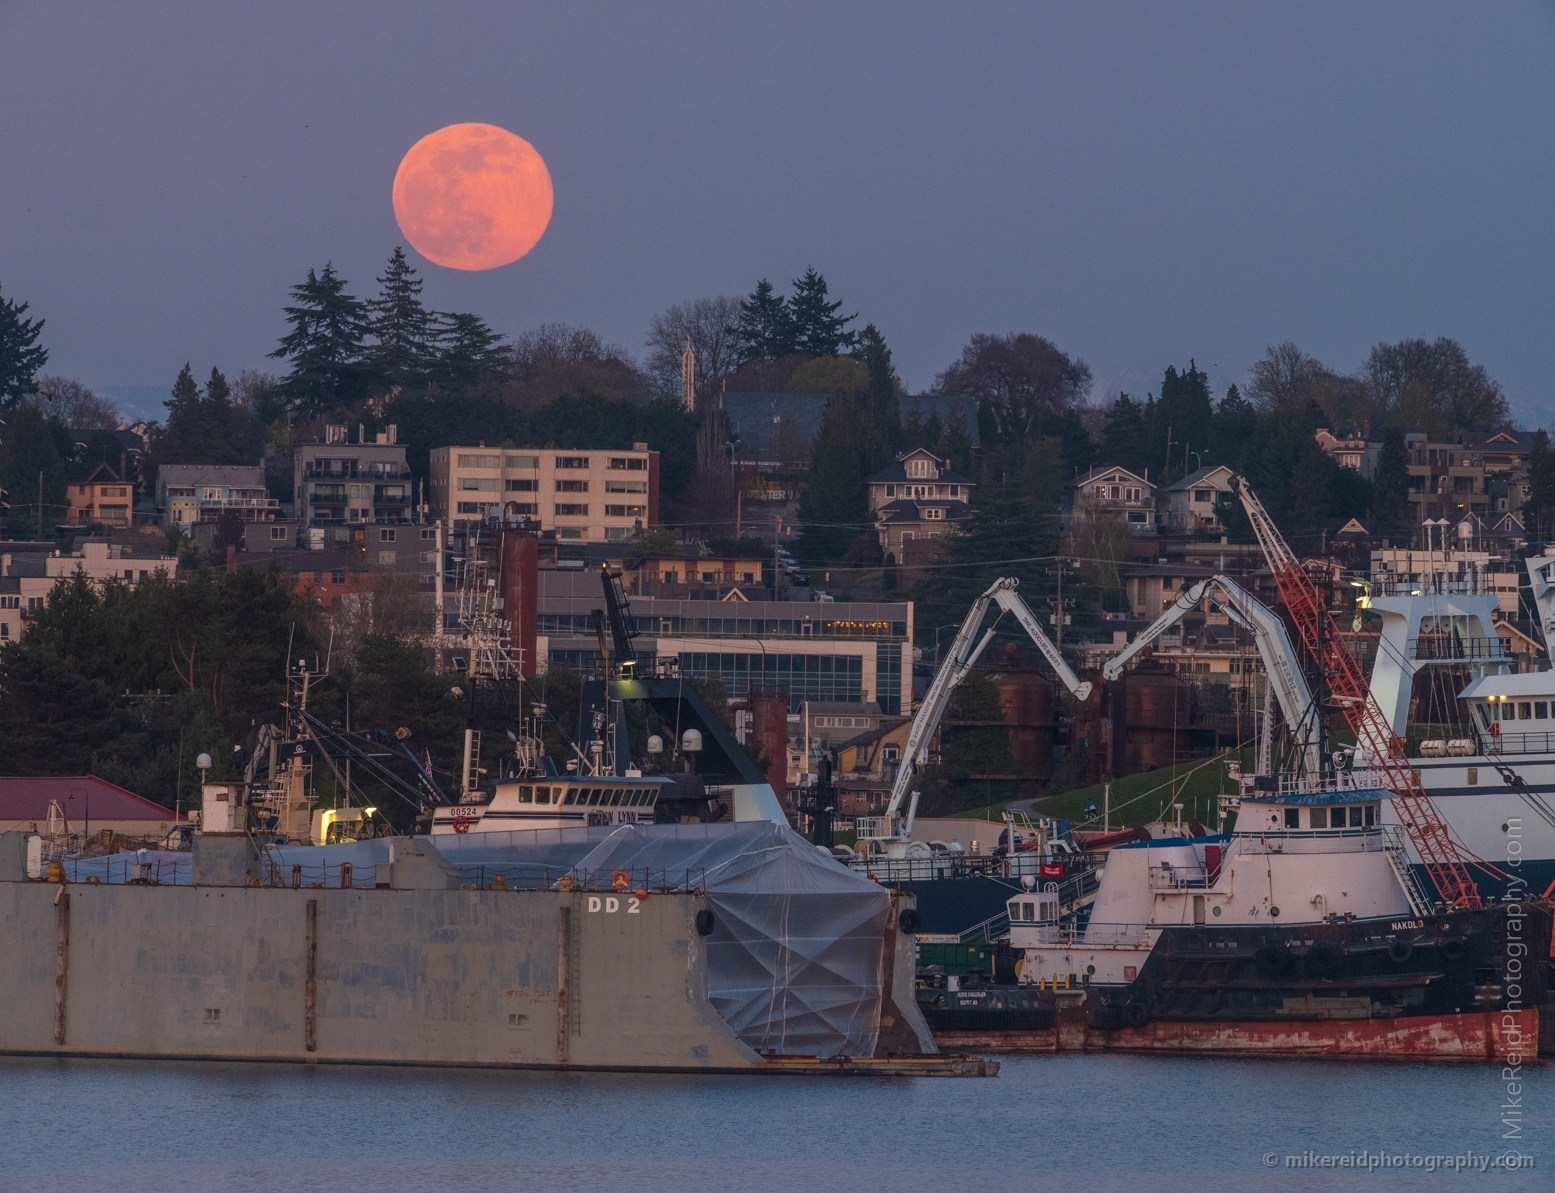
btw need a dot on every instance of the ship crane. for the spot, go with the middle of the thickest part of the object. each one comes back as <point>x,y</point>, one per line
<point>1286,681</point>
<point>892,832</point>
<point>1446,861</point>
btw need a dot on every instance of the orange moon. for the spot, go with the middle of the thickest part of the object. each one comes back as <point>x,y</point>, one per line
<point>472,196</point>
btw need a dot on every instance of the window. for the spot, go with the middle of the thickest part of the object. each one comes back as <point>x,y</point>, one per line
<point>386,558</point>
<point>526,795</point>
<point>572,461</point>
<point>709,577</point>
<point>1355,816</point>
<point>955,490</point>
<point>520,461</point>
<point>1525,710</point>
<point>629,463</point>
<point>624,511</point>
<point>386,536</point>
<point>471,507</point>
<point>478,461</point>
<point>1131,494</point>
<point>337,577</point>
<point>1204,496</point>
<point>527,508</point>
<point>1371,814</point>
<point>572,511</point>
<point>543,795</point>
<point>934,514</point>
<point>890,490</point>
<point>10,602</point>
<point>924,468</point>
<point>613,486</point>
<point>749,577</point>
<point>572,486</point>
<point>473,484</point>
<point>428,534</point>
<point>1541,710</point>
<point>1292,817</point>
<point>521,486</point>
<point>5,630</point>
<point>278,534</point>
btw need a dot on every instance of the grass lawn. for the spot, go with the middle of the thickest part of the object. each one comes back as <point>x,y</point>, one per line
<point>1138,799</point>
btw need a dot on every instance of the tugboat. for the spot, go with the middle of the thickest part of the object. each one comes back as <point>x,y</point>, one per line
<point>1303,932</point>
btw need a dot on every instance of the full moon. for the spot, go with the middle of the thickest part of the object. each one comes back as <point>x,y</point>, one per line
<point>472,196</point>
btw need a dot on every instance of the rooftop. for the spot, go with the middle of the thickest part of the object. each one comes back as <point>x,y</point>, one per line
<point>27,798</point>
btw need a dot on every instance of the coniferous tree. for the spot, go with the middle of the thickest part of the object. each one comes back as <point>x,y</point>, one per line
<point>467,350</point>
<point>764,329</point>
<point>30,460</point>
<point>884,386</point>
<point>324,345</point>
<point>21,356</point>
<point>1183,413</point>
<point>1125,439</point>
<point>403,328</point>
<point>1538,512</point>
<point>1232,429</point>
<point>832,508</point>
<point>816,327</point>
<point>1390,509</point>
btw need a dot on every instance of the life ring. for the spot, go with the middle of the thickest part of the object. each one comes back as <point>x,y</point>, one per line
<point>461,824</point>
<point>620,880</point>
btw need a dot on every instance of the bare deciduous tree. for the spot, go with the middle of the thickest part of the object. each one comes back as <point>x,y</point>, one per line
<point>706,321</point>
<point>1433,387</point>
<point>75,405</point>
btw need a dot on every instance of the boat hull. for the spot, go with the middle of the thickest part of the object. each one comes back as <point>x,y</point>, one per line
<point>1467,986</point>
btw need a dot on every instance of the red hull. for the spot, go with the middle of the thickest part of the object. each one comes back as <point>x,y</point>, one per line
<point>1477,1036</point>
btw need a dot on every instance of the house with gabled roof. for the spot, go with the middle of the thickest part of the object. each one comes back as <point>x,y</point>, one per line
<point>915,501</point>
<point>1111,491</point>
<point>1191,505</point>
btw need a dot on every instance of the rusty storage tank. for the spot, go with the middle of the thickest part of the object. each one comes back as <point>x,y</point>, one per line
<point>1026,700</point>
<point>1158,709</point>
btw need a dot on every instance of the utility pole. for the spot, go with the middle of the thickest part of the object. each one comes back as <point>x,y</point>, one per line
<point>1165,475</point>
<point>40,505</point>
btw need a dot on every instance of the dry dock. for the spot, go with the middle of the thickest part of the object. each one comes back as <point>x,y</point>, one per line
<point>415,971</point>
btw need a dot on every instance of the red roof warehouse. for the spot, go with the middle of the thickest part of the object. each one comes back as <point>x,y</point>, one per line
<point>90,804</point>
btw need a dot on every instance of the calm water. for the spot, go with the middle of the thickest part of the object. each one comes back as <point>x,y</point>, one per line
<point>1093,1123</point>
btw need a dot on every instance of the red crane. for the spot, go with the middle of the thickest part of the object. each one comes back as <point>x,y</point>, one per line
<point>1446,861</point>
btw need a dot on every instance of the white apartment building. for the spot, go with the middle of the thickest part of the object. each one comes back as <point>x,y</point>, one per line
<point>584,496</point>
<point>28,574</point>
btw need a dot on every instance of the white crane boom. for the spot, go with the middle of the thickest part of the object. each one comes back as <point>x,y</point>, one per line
<point>1286,681</point>
<point>890,830</point>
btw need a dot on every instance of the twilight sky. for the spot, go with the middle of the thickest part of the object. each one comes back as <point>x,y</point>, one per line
<point>1139,183</point>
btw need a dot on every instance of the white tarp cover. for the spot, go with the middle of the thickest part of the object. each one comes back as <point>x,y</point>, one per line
<point>794,959</point>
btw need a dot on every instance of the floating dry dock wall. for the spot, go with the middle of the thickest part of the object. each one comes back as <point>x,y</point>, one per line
<point>414,970</point>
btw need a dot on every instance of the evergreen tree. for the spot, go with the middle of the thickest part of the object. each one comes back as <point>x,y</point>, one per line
<point>885,386</point>
<point>1390,508</point>
<point>28,454</point>
<point>833,508</point>
<point>1125,440</point>
<point>20,354</point>
<point>467,350</point>
<point>817,329</point>
<point>1538,513</point>
<point>205,428</point>
<point>1183,413</point>
<point>764,329</point>
<point>403,328</point>
<point>1231,429</point>
<point>324,345</point>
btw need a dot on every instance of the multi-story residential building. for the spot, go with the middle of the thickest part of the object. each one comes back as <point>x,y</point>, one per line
<point>342,487</point>
<point>1115,492</point>
<point>1191,505</point>
<point>99,493</point>
<point>690,574</point>
<point>189,494</point>
<point>1350,451</point>
<point>853,653</point>
<point>583,496</point>
<point>915,501</point>
<point>29,572</point>
<point>1446,480</point>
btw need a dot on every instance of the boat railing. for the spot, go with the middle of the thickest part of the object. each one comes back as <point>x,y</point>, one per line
<point>1517,743</point>
<point>1450,647</point>
<point>1357,779</point>
<point>1167,877</point>
<point>1372,839</point>
<point>1073,934</point>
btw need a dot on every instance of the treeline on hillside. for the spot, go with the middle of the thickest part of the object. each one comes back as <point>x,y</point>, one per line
<point>134,683</point>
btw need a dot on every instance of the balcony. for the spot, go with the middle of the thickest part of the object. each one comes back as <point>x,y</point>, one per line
<point>403,500</point>
<point>347,472</point>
